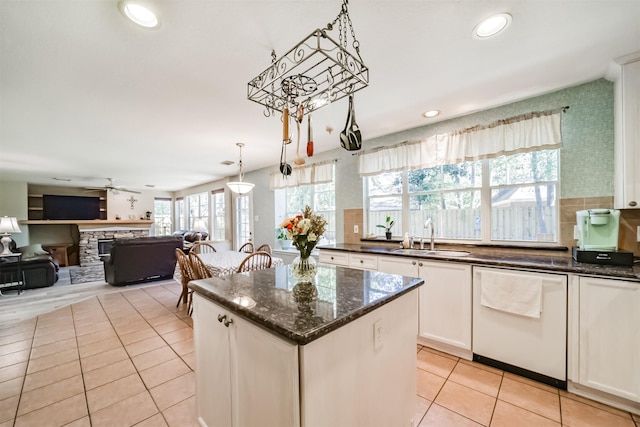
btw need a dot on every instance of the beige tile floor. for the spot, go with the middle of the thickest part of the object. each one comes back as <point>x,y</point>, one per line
<point>126,358</point>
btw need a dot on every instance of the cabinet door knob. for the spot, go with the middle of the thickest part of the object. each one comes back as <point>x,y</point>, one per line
<point>361,261</point>
<point>413,263</point>
<point>228,322</point>
<point>632,203</point>
<point>420,264</point>
<point>221,317</point>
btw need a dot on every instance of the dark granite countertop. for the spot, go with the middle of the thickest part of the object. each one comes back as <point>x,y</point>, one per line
<point>536,262</point>
<point>271,299</point>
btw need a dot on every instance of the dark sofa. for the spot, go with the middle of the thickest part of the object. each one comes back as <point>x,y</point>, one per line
<point>39,271</point>
<point>141,259</point>
<point>190,237</point>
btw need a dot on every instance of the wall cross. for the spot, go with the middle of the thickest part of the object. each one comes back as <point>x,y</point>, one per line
<point>132,201</point>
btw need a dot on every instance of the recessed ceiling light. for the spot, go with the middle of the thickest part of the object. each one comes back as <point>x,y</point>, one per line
<point>431,113</point>
<point>227,163</point>
<point>492,25</point>
<point>139,14</point>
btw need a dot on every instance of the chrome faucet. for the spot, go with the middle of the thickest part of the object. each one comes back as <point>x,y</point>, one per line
<point>429,224</point>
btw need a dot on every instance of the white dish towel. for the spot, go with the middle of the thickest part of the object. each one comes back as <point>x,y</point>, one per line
<point>513,293</point>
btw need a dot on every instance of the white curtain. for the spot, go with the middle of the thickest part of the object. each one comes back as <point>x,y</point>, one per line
<point>540,132</point>
<point>317,173</point>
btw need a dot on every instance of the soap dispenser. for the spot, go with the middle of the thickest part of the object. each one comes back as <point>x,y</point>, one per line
<point>405,243</point>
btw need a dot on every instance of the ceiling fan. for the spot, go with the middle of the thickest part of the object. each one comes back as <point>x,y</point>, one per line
<point>113,188</point>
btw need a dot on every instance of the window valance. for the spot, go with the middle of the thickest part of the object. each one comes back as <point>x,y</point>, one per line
<point>530,132</point>
<point>315,173</point>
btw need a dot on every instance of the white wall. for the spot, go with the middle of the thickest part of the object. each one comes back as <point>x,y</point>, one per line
<point>13,202</point>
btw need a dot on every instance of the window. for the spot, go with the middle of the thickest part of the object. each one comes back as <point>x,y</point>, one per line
<point>385,196</point>
<point>181,218</point>
<point>450,196</point>
<point>291,201</point>
<point>243,220</point>
<point>162,216</point>
<point>524,196</point>
<point>217,215</point>
<point>507,198</point>
<point>198,208</point>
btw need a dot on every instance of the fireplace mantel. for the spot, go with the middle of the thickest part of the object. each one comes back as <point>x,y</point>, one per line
<point>93,224</point>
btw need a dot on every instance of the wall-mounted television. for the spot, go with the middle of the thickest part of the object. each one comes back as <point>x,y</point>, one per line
<point>70,207</point>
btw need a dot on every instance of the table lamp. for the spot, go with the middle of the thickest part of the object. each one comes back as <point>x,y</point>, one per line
<point>8,226</point>
<point>200,226</point>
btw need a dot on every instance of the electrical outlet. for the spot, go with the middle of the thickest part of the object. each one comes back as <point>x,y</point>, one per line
<point>377,335</point>
<point>576,236</point>
<point>638,234</point>
<point>355,229</point>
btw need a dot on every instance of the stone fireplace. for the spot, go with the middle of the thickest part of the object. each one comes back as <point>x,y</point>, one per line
<point>95,240</point>
<point>89,252</point>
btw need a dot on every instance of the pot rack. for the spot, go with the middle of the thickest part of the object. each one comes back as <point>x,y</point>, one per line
<point>315,72</point>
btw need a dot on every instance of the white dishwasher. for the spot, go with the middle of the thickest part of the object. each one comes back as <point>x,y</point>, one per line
<point>520,323</point>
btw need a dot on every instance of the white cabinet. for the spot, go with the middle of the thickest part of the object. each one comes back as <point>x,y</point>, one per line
<point>444,301</point>
<point>245,375</point>
<point>363,262</point>
<point>334,258</point>
<point>627,132</point>
<point>609,336</point>
<point>445,306</point>
<point>399,265</point>
<point>248,377</point>
<point>346,259</point>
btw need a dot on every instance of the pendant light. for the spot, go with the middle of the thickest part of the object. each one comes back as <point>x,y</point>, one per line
<point>239,186</point>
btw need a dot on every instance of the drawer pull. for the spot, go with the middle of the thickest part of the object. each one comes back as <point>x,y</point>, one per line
<point>221,317</point>
<point>228,322</point>
<point>632,203</point>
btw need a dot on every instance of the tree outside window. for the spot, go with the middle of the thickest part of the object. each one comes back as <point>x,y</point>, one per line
<point>520,190</point>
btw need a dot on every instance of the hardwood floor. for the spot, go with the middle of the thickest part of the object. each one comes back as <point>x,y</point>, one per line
<point>30,303</point>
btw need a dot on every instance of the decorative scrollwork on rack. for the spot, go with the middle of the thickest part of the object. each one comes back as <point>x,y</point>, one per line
<point>315,72</point>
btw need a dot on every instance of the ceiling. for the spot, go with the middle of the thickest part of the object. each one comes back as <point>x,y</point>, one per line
<point>86,95</point>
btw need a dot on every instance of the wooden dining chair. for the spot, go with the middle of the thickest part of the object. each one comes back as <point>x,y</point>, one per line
<point>201,247</point>
<point>264,248</point>
<point>247,248</point>
<point>186,272</point>
<point>200,271</point>
<point>255,261</point>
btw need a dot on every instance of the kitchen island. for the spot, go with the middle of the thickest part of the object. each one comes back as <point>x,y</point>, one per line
<point>273,352</point>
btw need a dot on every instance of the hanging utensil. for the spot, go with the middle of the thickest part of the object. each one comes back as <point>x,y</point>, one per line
<point>300,113</point>
<point>355,137</point>
<point>298,160</point>
<point>350,137</point>
<point>285,126</point>
<point>285,168</point>
<point>344,135</point>
<point>309,137</point>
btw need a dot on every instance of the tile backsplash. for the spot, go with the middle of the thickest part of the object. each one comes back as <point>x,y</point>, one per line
<point>629,221</point>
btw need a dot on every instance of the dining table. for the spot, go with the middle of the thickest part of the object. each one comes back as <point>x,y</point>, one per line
<point>222,263</point>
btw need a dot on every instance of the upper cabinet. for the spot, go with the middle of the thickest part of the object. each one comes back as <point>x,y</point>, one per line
<point>627,131</point>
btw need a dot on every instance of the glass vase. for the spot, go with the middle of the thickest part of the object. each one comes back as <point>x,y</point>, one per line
<point>304,269</point>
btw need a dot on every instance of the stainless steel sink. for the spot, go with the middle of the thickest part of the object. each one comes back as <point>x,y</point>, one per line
<point>427,252</point>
